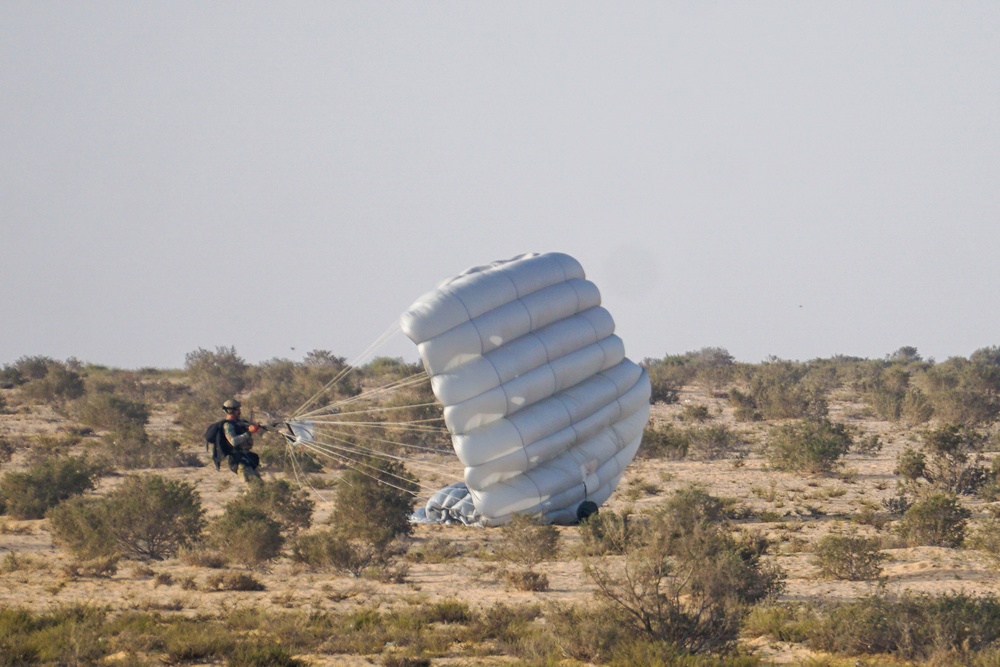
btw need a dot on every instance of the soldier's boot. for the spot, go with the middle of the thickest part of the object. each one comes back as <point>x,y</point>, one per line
<point>249,474</point>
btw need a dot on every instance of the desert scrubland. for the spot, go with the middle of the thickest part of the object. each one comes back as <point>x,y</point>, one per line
<point>837,511</point>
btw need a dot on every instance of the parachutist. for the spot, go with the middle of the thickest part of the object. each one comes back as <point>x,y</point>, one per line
<point>233,440</point>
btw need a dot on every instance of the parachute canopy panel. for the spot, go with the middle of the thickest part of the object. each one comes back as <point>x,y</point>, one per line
<point>544,409</point>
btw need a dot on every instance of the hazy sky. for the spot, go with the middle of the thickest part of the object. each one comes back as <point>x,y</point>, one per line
<point>800,179</point>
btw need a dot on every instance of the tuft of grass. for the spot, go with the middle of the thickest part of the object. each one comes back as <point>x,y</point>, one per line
<point>526,580</point>
<point>435,550</point>
<point>233,581</point>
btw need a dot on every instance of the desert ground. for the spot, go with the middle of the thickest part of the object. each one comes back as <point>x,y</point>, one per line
<point>794,510</point>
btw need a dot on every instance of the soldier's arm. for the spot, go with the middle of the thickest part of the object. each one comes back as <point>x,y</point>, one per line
<point>235,440</point>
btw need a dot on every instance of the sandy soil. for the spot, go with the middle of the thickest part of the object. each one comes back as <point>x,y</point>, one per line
<point>805,508</point>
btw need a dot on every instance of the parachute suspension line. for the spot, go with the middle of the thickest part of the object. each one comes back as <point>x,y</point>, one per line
<point>333,451</point>
<point>409,427</point>
<point>333,433</point>
<point>390,331</point>
<point>357,465</point>
<point>332,408</point>
<point>388,408</point>
<point>417,491</point>
<point>300,475</point>
<point>348,446</point>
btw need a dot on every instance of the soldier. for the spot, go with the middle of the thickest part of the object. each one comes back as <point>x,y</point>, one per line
<point>239,435</point>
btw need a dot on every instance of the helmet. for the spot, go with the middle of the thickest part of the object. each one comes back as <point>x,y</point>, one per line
<point>231,404</point>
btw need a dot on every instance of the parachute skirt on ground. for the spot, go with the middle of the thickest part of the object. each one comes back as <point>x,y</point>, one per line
<point>544,409</point>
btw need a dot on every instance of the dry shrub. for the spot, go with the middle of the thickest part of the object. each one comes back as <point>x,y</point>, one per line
<point>526,580</point>
<point>233,581</point>
<point>137,451</point>
<point>387,572</point>
<point>849,557</point>
<point>938,520</point>
<point>715,442</point>
<point>291,507</point>
<point>106,566</point>
<point>13,562</point>
<point>30,494</point>
<point>7,446</point>
<point>203,557</point>
<point>812,446</point>
<point>607,532</point>
<point>694,413</point>
<point>688,581</point>
<point>246,535</point>
<point>911,626</point>
<point>664,441</point>
<point>527,542</point>
<point>405,661</point>
<point>331,550</point>
<point>145,516</point>
<point>589,633</point>
<point>524,543</point>
<point>374,502</point>
<point>435,550</point>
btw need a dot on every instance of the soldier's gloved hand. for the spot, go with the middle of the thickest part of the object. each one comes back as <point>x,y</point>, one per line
<point>253,428</point>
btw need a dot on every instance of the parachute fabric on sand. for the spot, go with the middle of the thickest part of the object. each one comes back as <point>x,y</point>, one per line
<point>544,409</point>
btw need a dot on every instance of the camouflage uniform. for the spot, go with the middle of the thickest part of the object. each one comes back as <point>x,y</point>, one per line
<point>242,441</point>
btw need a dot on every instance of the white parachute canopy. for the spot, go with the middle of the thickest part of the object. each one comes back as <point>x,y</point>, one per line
<point>544,409</point>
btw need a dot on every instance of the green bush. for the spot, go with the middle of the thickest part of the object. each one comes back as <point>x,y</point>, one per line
<point>137,452</point>
<point>783,621</point>
<point>152,517</point>
<point>744,406</point>
<point>57,384</point>
<point>280,386</point>
<point>30,494</point>
<point>849,557</point>
<point>886,392</point>
<point>7,449</point>
<point>778,390</point>
<point>813,446</point>
<point>246,535</point>
<point>375,501</point>
<point>912,626</point>
<point>688,581</point>
<point>965,391</point>
<point>329,550</point>
<point>291,507</point>
<point>664,441</point>
<point>145,516</point>
<point>280,457</point>
<point>57,445</point>
<point>938,520</point>
<point>213,378</point>
<point>589,633</point>
<point>607,532</point>
<point>870,446</point>
<point>711,443</point>
<point>667,377</point>
<point>954,462</point>
<point>79,525</point>
<point>112,413</point>
<point>694,413</point>
<point>526,542</point>
<point>911,464</point>
<point>216,375</point>
<point>69,635</point>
